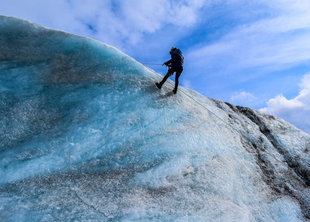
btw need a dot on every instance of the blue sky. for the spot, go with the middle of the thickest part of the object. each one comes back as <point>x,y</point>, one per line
<point>249,53</point>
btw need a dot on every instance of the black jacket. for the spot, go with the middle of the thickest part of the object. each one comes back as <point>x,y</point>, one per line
<point>176,60</point>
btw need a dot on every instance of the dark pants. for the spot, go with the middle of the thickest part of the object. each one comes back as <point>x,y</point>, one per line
<point>178,71</point>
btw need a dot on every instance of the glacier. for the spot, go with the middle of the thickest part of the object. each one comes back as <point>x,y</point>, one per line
<point>86,136</point>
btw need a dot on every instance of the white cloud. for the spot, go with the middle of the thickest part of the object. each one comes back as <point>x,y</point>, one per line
<point>294,110</point>
<point>117,22</point>
<point>243,98</point>
<point>274,42</point>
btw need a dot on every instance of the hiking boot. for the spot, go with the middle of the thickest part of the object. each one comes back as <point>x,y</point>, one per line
<point>158,85</point>
<point>174,91</point>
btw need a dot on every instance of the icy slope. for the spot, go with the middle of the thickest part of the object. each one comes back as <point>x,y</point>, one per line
<point>85,136</point>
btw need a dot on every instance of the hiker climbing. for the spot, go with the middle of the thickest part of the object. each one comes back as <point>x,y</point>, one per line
<point>175,64</point>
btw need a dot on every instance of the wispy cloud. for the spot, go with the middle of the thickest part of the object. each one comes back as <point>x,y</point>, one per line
<point>277,42</point>
<point>243,98</point>
<point>114,21</point>
<point>253,55</point>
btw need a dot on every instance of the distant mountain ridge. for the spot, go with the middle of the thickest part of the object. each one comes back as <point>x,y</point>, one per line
<point>86,135</point>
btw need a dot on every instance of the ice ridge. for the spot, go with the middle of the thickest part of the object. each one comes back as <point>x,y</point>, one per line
<point>86,136</point>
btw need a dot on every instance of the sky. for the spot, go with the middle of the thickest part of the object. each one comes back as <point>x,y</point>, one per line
<point>253,53</point>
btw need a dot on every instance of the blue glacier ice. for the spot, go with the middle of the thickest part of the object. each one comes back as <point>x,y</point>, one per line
<point>86,136</point>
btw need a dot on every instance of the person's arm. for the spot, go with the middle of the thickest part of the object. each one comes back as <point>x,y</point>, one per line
<point>167,63</point>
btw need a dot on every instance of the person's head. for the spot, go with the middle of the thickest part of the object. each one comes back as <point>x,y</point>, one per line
<point>172,49</point>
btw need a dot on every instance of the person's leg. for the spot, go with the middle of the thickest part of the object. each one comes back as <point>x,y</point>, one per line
<point>177,75</point>
<point>169,73</point>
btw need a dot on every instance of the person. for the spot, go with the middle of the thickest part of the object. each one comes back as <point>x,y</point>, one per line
<point>175,64</point>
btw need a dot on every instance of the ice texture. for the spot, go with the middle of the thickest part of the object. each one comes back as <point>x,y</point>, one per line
<point>86,136</point>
